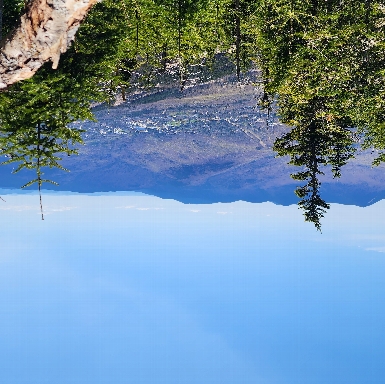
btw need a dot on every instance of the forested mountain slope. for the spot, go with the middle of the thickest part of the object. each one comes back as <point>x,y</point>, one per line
<point>320,68</point>
<point>210,143</point>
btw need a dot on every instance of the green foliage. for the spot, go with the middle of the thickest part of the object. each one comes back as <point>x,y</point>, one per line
<point>239,19</point>
<point>321,61</point>
<point>35,115</point>
<point>12,9</point>
<point>318,143</point>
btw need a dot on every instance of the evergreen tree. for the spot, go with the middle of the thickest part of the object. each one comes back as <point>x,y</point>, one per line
<point>239,19</point>
<point>315,63</point>
<point>313,144</point>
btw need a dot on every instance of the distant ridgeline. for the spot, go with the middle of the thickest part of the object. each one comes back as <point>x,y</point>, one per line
<point>322,64</point>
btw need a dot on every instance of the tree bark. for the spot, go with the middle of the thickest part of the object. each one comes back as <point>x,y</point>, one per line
<point>45,32</point>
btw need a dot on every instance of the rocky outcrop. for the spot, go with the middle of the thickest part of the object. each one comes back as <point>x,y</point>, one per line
<point>46,30</point>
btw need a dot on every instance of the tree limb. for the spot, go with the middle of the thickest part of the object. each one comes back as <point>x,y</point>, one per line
<point>45,31</point>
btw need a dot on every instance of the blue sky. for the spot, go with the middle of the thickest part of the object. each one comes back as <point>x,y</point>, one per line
<point>129,288</point>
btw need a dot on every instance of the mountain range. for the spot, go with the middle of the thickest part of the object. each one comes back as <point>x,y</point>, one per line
<point>209,143</point>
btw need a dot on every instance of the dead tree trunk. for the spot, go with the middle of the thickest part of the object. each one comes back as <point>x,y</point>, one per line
<point>45,31</point>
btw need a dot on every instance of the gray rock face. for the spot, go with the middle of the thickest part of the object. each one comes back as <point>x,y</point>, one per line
<point>45,32</point>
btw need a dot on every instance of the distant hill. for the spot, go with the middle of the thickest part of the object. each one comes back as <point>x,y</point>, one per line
<point>208,144</point>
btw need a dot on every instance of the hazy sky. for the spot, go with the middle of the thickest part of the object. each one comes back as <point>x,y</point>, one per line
<point>130,288</point>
